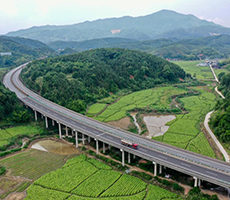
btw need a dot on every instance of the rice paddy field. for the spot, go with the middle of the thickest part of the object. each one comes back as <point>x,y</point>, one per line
<point>82,178</point>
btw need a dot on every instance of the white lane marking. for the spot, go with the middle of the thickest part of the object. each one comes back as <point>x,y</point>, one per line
<point>211,173</point>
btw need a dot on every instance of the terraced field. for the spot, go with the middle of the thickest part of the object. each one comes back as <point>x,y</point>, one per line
<point>185,132</point>
<point>82,178</point>
<point>157,98</point>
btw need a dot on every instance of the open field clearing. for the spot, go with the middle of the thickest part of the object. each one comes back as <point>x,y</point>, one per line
<point>191,67</point>
<point>156,98</point>
<point>82,178</point>
<point>32,164</point>
<point>185,132</point>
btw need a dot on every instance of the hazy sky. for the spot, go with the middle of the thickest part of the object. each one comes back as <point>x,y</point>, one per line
<point>20,14</point>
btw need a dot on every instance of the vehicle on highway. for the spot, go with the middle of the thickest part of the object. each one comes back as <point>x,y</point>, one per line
<point>129,144</point>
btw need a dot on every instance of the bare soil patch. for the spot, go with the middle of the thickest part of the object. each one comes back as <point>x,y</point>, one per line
<point>122,123</point>
<point>57,147</point>
<point>16,196</point>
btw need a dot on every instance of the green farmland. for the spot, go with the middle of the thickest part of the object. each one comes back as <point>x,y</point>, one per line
<point>7,134</point>
<point>84,179</point>
<point>185,132</point>
<point>156,98</point>
<point>191,67</point>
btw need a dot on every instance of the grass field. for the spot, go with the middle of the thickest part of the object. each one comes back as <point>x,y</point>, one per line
<point>32,164</point>
<point>157,98</point>
<point>184,132</point>
<point>84,179</point>
<point>8,133</point>
<point>191,67</point>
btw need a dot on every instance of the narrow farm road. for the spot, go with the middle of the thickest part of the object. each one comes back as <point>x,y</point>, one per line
<point>207,118</point>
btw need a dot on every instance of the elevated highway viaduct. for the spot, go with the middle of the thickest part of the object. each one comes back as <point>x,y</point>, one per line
<point>198,166</point>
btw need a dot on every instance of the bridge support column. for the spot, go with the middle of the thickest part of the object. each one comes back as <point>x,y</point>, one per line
<point>195,181</point>
<point>76,138</point>
<point>52,122</point>
<point>160,170</point>
<point>35,115</point>
<point>83,139</point>
<point>59,126</point>
<point>103,147</point>
<point>128,157</point>
<point>88,139</point>
<point>42,116</point>
<point>155,169</point>
<point>97,146</point>
<point>134,156</point>
<point>199,182</point>
<point>123,157</point>
<point>46,121</point>
<point>109,147</point>
<point>66,131</point>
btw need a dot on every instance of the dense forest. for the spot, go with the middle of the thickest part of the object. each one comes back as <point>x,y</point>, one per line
<point>77,80</point>
<point>220,121</point>
<point>10,108</point>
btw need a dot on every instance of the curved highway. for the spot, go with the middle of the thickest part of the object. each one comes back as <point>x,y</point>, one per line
<point>201,167</point>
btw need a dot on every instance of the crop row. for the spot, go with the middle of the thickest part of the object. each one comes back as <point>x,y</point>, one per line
<point>97,183</point>
<point>67,178</point>
<point>126,185</point>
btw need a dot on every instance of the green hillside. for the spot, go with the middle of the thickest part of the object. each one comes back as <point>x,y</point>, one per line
<point>76,80</point>
<point>210,47</point>
<point>22,50</point>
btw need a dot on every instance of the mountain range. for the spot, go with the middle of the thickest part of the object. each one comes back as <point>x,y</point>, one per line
<point>163,24</point>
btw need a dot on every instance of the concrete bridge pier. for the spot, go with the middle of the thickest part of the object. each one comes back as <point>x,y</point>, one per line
<point>134,156</point>
<point>97,147</point>
<point>59,126</point>
<point>35,115</point>
<point>88,139</point>
<point>123,157</point>
<point>109,147</point>
<point>160,170</point>
<point>195,181</point>
<point>46,121</point>
<point>83,139</point>
<point>76,137</point>
<point>129,158</point>
<point>155,168</point>
<point>66,131</point>
<point>42,116</point>
<point>52,122</point>
<point>103,147</point>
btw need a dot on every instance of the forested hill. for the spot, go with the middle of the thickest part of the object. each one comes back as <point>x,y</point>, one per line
<point>22,50</point>
<point>79,79</point>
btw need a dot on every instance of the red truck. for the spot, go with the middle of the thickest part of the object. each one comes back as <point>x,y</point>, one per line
<point>129,144</point>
